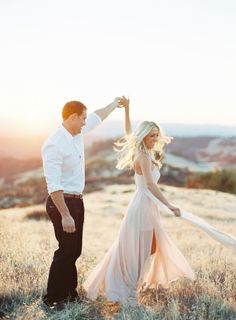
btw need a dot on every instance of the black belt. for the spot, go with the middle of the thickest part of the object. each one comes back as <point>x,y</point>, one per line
<point>75,196</point>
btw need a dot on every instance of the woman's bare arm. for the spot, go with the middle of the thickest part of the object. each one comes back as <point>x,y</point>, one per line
<point>128,128</point>
<point>145,165</point>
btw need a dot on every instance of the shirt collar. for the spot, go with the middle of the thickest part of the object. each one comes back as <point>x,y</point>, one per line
<point>66,133</point>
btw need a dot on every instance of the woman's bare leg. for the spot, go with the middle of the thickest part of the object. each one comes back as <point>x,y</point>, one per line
<point>154,246</point>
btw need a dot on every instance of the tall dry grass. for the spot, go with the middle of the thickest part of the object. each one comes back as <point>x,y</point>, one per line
<point>27,246</point>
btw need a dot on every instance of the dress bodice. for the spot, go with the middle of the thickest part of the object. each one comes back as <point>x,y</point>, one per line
<point>140,181</point>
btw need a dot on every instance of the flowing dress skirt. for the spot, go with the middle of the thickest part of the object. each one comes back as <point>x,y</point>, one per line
<point>129,266</point>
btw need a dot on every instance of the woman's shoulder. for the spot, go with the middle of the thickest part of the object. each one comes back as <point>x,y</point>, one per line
<point>141,156</point>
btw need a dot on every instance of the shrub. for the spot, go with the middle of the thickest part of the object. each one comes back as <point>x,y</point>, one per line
<point>37,215</point>
<point>221,180</point>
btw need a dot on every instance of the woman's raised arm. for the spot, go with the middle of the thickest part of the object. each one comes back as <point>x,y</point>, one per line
<point>125,102</point>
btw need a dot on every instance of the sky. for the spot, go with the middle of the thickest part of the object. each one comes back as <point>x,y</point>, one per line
<point>176,60</point>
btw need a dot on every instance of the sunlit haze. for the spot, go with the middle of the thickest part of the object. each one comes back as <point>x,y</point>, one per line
<point>174,59</point>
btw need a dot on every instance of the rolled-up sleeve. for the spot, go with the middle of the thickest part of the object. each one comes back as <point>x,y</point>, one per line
<point>52,167</point>
<point>93,120</point>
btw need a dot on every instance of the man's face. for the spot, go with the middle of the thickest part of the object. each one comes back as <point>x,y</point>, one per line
<point>80,121</point>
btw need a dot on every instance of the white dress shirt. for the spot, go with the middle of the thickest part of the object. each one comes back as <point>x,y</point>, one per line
<point>63,158</point>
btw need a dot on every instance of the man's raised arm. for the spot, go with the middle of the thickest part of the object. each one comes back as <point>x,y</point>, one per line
<point>103,113</point>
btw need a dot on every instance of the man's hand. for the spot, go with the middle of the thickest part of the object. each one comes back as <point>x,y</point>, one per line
<point>67,221</point>
<point>116,102</point>
<point>68,224</point>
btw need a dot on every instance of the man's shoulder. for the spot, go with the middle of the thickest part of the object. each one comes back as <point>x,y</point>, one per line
<point>56,138</point>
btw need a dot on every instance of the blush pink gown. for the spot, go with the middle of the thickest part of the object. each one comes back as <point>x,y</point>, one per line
<point>128,265</point>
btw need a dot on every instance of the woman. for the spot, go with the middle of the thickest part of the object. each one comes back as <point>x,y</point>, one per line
<point>143,255</point>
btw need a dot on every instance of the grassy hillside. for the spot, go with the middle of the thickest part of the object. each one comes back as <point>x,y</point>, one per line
<point>27,246</point>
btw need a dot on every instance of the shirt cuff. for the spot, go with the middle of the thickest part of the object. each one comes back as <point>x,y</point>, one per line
<point>55,188</point>
<point>97,117</point>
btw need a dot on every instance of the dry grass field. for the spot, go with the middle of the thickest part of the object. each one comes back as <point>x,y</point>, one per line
<point>27,245</point>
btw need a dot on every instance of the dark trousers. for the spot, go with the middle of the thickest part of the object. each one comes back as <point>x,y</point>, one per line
<point>62,280</point>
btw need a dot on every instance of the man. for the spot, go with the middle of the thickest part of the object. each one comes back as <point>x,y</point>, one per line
<point>64,170</point>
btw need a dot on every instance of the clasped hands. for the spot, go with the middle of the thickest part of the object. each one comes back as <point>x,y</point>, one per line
<point>121,102</point>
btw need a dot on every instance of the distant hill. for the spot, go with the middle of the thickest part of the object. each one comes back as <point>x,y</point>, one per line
<point>217,152</point>
<point>11,167</point>
<point>116,128</point>
<point>194,153</point>
<point>22,181</point>
<point>20,146</point>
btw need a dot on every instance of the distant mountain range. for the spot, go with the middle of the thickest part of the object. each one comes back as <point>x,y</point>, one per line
<point>21,178</point>
<point>115,128</point>
<point>20,146</point>
<point>197,154</point>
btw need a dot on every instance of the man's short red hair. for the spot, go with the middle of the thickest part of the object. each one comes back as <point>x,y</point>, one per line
<point>72,107</point>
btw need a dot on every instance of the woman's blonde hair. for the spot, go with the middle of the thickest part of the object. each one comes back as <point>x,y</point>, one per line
<point>132,144</point>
